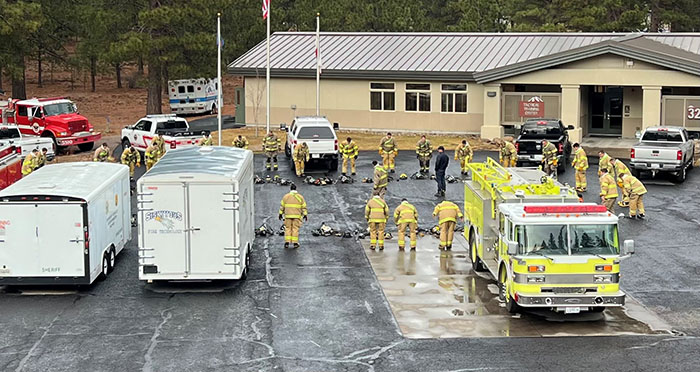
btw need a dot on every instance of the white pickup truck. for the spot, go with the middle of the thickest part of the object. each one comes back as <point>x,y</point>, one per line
<point>10,135</point>
<point>319,135</point>
<point>176,132</point>
<point>663,149</point>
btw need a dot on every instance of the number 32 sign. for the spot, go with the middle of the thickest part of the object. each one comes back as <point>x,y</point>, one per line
<point>693,113</point>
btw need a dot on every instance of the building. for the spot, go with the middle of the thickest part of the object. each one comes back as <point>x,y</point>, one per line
<point>601,83</point>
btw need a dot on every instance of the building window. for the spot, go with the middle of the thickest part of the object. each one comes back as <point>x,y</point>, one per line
<point>418,97</point>
<point>382,97</point>
<point>454,98</point>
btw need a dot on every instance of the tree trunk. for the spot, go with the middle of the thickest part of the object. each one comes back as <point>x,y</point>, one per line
<point>118,70</point>
<point>40,80</point>
<point>0,77</point>
<point>140,65</point>
<point>165,79</point>
<point>19,89</point>
<point>153,103</point>
<point>93,71</point>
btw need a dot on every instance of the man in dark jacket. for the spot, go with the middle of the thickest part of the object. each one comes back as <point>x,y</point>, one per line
<point>441,163</point>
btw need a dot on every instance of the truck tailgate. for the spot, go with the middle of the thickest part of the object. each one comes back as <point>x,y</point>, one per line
<point>320,146</point>
<point>656,152</point>
<point>42,240</point>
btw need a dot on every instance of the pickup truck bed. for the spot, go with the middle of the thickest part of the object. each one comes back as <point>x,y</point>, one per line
<point>663,149</point>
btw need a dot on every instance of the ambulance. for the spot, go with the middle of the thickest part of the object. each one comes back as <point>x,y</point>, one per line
<point>193,96</point>
<point>544,248</point>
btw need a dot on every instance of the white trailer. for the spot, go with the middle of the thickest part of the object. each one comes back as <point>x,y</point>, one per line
<point>64,224</point>
<point>196,215</point>
<point>193,96</point>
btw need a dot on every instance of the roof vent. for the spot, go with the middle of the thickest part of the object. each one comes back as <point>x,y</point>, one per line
<point>48,186</point>
<point>206,150</point>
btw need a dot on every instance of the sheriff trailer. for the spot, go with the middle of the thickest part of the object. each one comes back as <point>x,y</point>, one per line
<point>64,224</point>
<point>196,215</point>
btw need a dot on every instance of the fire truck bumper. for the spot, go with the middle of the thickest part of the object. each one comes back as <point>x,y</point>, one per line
<point>571,300</point>
<point>79,139</point>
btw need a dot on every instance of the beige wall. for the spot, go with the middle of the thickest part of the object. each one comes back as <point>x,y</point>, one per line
<point>347,102</point>
<point>631,96</point>
<point>583,111</point>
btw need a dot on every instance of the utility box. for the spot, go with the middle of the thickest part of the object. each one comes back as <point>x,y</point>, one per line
<point>196,215</point>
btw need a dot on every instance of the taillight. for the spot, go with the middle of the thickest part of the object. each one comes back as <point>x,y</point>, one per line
<point>679,155</point>
<point>87,238</point>
<point>18,149</point>
<point>172,90</point>
<point>561,147</point>
<point>336,145</point>
<point>517,147</point>
<point>631,153</point>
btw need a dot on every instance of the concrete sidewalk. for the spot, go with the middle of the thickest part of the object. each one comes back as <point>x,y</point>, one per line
<point>614,146</point>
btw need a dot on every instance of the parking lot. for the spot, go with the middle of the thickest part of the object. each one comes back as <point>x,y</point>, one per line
<point>324,308</point>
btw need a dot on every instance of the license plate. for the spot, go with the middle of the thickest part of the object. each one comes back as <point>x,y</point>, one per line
<point>572,310</point>
<point>655,166</point>
<point>315,156</point>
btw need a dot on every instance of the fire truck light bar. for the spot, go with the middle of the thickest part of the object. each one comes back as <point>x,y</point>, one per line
<point>565,209</point>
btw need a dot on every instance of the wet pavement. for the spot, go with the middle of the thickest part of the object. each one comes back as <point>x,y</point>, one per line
<point>322,308</point>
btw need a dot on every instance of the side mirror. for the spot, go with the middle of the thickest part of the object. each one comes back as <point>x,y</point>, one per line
<point>628,247</point>
<point>512,248</point>
<point>570,127</point>
<point>283,127</point>
<point>336,126</point>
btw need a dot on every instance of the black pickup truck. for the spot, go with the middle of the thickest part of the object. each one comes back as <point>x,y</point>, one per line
<point>529,141</point>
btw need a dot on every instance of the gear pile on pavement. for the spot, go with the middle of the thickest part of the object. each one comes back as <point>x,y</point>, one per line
<point>367,180</point>
<point>321,181</point>
<point>264,230</point>
<point>345,179</point>
<point>276,180</point>
<point>419,176</point>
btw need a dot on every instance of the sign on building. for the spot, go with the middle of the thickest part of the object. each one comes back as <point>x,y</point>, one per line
<point>693,112</point>
<point>532,108</point>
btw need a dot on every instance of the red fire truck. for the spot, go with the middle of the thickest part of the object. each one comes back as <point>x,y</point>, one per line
<point>10,165</point>
<point>56,118</point>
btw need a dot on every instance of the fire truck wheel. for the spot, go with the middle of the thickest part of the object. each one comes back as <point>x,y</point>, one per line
<point>477,265</point>
<point>503,294</point>
<point>105,267</point>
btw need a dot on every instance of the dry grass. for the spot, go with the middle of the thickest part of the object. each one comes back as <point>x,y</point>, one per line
<point>365,140</point>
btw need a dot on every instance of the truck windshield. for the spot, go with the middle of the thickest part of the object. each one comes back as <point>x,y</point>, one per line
<point>665,136</point>
<point>594,239</point>
<point>172,124</point>
<point>542,239</point>
<point>539,130</point>
<point>315,133</point>
<point>59,109</point>
<point>6,133</point>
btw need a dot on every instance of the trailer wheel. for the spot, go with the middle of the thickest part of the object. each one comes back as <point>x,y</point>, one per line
<point>244,275</point>
<point>105,267</point>
<point>112,255</point>
<point>477,265</point>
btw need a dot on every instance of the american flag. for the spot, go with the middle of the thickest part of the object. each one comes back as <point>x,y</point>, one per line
<point>265,8</point>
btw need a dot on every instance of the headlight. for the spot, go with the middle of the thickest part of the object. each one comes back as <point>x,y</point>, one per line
<point>602,278</point>
<point>91,129</point>
<point>535,279</point>
<point>62,133</point>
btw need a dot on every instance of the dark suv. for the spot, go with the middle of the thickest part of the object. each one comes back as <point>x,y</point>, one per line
<point>529,141</point>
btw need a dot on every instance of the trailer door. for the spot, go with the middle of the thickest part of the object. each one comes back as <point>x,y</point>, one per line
<point>42,240</point>
<point>162,223</point>
<point>212,229</point>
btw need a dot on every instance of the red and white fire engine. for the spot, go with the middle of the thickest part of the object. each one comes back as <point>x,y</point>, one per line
<point>10,165</point>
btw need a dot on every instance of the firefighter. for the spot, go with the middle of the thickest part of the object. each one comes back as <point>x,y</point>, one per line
<point>406,216</point>
<point>159,142</point>
<point>549,158</point>
<point>464,154</point>
<point>241,142</point>
<point>300,156</point>
<point>388,151</point>
<point>30,162</point>
<point>603,162</point>
<point>620,168</point>
<point>151,156</point>
<point>424,151</point>
<point>349,150</point>
<point>380,180</point>
<point>206,140</point>
<point>131,158</point>
<point>102,153</point>
<point>447,213</point>
<point>636,190</point>
<point>292,210</point>
<point>509,155</point>
<point>41,160</point>
<point>271,146</point>
<point>376,214</point>
<point>608,190</point>
<point>580,164</point>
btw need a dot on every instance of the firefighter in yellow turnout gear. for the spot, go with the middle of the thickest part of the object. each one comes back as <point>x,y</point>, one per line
<point>101,154</point>
<point>464,154</point>
<point>271,146</point>
<point>604,163</point>
<point>292,210</point>
<point>349,150</point>
<point>206,140</point>
<point>151,156</point>
<point>608,190</point>
<point>300,156</point>
<point>131,158</point>
<point>388,151</point>
<point>424,151</point>
<point>41,159</point>
<point>380,179</point>
<point>30,163</point>
<point>376,214</point>
<point>159,143</point>
<point>580,164</point>
<point>241,142</point>
<point>620,169</point>
<point>508,154</point>
<point>406,217</point>
<point>549,158</point>
<point>635,190</point>
<point>447,213</point>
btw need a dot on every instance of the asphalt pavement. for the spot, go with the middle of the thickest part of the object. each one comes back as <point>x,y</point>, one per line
<point>321,308</point>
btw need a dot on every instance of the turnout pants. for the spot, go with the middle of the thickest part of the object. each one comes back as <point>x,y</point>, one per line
<point>299,166</point>
<point>625,195</point>
<point>132,168</point>
<point>381,191</point>
<point>149,164</point>
<point>636,205</point>
<point>291,230</point>
<point>549,168</point>
<point>412,227</point>
<point>424,163</point>
<point>610,204</point>
<point>388,160</point>
<point>376,234</point>
<point>447,231</point>
<point>581,184</point>
<point>271,159</point>
<point>347,160</point>
<point>463,164</point>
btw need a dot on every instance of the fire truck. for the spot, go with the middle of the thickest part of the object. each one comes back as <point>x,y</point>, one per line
<point>56,118</point>
<point>544,248</point>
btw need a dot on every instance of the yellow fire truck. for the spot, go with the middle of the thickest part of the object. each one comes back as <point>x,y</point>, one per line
<point>544,247</point>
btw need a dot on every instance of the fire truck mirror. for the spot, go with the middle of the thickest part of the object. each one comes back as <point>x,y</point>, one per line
<point>512,248</point>
<point>628,247</point>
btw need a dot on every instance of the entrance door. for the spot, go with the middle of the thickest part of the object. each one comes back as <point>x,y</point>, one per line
<point>239,103</point>
<point>606,111</point>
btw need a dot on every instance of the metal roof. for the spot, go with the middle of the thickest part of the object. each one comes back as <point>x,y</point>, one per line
<point>82,180</point>
<point>429,56</point>
<point>202,163</point>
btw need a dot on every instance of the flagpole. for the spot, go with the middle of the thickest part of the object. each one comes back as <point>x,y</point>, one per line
<point>267,75</point>
<point>318,64</point>
<point>219,106</point>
